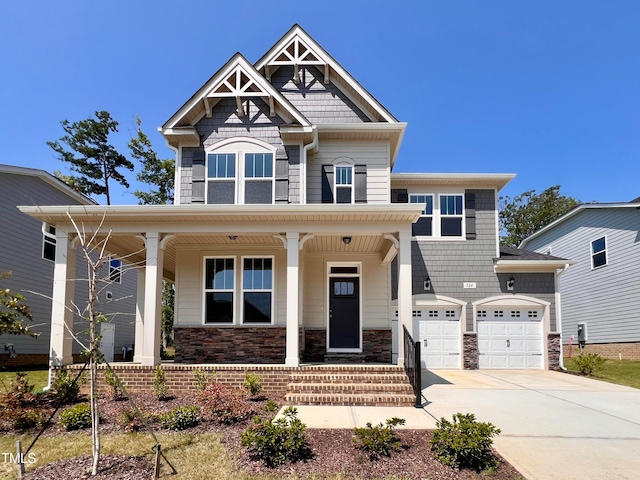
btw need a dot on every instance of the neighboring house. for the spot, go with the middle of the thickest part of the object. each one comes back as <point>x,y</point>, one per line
<point>602,291</point>
<point>28,250</point>
<point>291,241</point>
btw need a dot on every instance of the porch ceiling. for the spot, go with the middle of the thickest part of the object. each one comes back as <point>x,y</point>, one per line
<point>359,244</point>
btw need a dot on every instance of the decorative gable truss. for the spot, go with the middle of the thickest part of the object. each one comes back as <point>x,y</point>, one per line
<point>296,53</point>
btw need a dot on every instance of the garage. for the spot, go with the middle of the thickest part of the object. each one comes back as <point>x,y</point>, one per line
<point>510,337</point>
<point>439,333</point>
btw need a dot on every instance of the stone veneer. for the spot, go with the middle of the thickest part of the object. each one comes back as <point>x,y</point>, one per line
<point>628,351</point>
<point>470,350</point>
<point>229,345</point>
<point>553,351</point>
<point>376,345</point>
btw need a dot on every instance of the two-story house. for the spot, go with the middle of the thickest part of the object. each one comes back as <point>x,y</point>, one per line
<point>292,241</point>
<point>28,249</point>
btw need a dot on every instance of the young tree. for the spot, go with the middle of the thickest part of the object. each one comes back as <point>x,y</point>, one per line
<point>13,311</point>
<point>527,213</point>
<point>91,155</point>
<point>156,172</point>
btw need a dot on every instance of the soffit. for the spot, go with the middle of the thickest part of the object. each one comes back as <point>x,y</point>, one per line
<point>466,180</point>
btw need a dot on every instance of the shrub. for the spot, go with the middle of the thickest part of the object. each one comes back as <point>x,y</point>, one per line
<point>129,421</point>
<point>378,440</point>
<point>252,384</point>
<point>271,406</point>
<point>63,387</point>
<point>160,384</point>
<point>181,418</point>
<point>589,363</point>
<point>202,379</point>
<point>224,404</point>
<point>115,391</point>
<point>464,443</point>
<point>76,417</point>
<point>278,441</point>
<point>24,418</point>
<point>16,408</point>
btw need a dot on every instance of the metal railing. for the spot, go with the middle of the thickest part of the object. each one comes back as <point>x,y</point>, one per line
<point>412,365</point>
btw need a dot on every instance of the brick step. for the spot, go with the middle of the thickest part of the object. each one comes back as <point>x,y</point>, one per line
<point>348,378</point>
<point>355,368</point>
<point>351,399</point>
<point>304,387</point>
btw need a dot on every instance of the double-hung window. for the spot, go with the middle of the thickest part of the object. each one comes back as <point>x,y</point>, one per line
<point>257,290</point>
<point>451,215</point>
<point>219,290</point>
<point>221,178</point>
<point>48,242</point>
<point>599,252</point>
<point>344,184</point>
<point>115,270</point>
<point>424,226</point>
<point>258,178</point>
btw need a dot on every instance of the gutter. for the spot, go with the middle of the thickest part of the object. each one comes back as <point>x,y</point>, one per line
<point>559,273</point>
<point>303,164</point>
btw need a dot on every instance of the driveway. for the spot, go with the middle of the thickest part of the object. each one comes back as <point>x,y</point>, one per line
<point>554,425</point>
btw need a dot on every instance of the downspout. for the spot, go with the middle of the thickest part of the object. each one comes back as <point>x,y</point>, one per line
<point>303,165</point>
<point>559,273</point>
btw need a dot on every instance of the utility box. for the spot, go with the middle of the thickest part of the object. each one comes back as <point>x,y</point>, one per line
<point>582,334</point>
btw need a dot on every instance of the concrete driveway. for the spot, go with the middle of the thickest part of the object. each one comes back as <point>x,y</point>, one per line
<point>554,425</point>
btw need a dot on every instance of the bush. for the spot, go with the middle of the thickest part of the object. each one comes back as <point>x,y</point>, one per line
<point>378,440</point>
<point>160,384</point>
<point>464,443</point>
<point>115,392</point>
<point>129,421</point>
<point>202,379</point>
<point>278,441</point>
<point>252,384</point>
<point>76,417</point>
<point>271,406</point>
<point>181,418</point>
<point>63,387</point>
<point>589,363</point>
<point>224,404</point>
<point>25,418</point>
<point>16,405</point>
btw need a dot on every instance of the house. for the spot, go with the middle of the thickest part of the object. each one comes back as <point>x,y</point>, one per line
<point>28,249</point>
<point>291,240</point>
<point>601,293</point>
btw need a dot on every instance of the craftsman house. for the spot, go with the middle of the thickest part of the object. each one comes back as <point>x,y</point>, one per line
<point>292,241</point>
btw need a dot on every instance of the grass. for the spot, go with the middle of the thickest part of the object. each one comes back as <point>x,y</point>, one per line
<point>622,372</point>
<point>39,376</point>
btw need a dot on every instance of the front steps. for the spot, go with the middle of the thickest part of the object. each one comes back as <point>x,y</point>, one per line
<point>350,385</point>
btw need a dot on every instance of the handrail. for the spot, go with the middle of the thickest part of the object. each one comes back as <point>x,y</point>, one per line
<point>412,365</point>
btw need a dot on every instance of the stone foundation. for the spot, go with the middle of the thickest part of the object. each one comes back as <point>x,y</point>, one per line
<point>376,345</point>
<point>470,351</point>
<point>229,345</point>
<point>553,351</point>
<point>628,351</point>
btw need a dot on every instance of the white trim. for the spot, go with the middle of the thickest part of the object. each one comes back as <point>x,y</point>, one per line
<point>271,290</point>
<point>204,290</point>
<point>593,254</point>
<point>357,275</point>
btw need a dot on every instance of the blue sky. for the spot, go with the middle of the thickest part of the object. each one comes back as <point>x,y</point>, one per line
<point>549,90</point>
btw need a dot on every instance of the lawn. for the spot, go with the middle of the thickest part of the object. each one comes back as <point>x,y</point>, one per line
<point>38,376</point>
<point>622,372</point>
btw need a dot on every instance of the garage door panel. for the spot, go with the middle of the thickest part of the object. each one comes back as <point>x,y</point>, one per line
<point>440,336</point>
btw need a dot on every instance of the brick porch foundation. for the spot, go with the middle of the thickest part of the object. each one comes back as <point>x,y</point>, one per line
<point>628,351</point>
<point>376,345</point>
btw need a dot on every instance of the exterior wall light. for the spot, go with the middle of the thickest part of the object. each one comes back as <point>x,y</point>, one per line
<point>233,237</point>
<point>427,283</point>
<point>511,283</point>
<point>346,240</point>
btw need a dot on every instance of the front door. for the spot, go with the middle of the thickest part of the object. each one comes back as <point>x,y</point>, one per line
<point>344,313</point>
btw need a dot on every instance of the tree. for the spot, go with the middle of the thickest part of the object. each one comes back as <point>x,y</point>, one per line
<point>97,161</point>
<point>13,311</point>
<point>529,212</point>
<point>158,172</point>
<point>168,301</point>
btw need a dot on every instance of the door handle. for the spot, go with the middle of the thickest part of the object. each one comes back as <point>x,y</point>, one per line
<point>508,343</point>
<point>330,313</point>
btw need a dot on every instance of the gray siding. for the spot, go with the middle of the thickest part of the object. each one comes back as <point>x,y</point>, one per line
<point>293,152</point>
<point>451,263</point>
<point>319,102</point>
<point>607,298</point>
<point>21,254</point>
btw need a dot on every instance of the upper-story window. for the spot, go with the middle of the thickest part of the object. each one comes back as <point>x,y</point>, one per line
<point>221,174</point>
<point>451,215</point>
<point>599,252</point>
<point>442,215</point>
<point>258,175</point>
<point>48,242</point>
<point>344,184</point>
<point>115,270</point>
<point>424,226</point>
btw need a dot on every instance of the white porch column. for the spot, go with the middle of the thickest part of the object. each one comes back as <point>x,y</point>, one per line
<point>152,301</point>
<point>64,274</point>
<point>139,329</point>
<point>293,260</point>
<point>405,314</point>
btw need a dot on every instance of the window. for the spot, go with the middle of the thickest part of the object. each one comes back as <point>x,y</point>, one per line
<point>532,314</point>
<point>450,313</point>
<point>515,313</point>
<point>433,313</point>
<point>48,242</point>
<point>257,290</point>
<point>218,290</point>
<point>115,270</point>
<point>221,178</point>
<point>451,215</point>
<point>258,176</point>
<point>599,253</point>
<point>482,314</point>
<point>417,313</point>
<point>344,184</point>
<point>424,226</point>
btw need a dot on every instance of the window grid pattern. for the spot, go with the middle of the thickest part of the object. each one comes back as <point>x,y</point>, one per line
<point>49,242</point>
<point>532,314</point>
<point>451,212</point>
<point>115,270</point>
<point>434,313</point>
<point>222,165</point>
<point>258,165</point>
<point>219,290</point>
<point>344,184</point>
<point>449,313</point>
<point>515,313</point>
<point>257,286</point>
<point>499,313</point>
<point>482,314</point>
<point>417,313</point>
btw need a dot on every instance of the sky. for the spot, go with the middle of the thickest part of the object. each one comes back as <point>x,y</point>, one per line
<point>546,89</point>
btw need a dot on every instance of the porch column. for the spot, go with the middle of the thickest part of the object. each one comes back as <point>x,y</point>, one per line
<point>293,259</point>
<point>139,328</point>
<point>64,274</point>
<point>152,301</point>
<point>405,317</point>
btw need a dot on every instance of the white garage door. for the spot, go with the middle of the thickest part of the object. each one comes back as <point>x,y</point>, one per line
<point>510,338</point>
<point>439,333</point>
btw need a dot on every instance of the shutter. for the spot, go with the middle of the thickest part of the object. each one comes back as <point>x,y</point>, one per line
<point>360,183</point>
<point>282,176</point>
<point>399,195</point>
<point>327,183</point>
<point>197,176</point>
<point>470,215</point>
